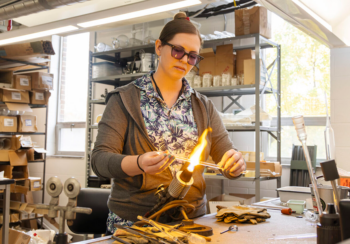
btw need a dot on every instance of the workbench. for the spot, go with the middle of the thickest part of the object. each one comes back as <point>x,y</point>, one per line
<point>277,225</point>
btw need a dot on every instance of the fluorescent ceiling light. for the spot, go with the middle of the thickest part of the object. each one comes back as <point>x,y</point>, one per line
<point>38,34</point>
<point>141,13</point>
<point>315,16</point>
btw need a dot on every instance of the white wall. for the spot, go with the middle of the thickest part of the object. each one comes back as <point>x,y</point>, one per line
<point>340,100</point>
<point>60,167</point>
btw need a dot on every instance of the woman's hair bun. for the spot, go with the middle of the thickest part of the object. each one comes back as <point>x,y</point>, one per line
<point>180,15</point>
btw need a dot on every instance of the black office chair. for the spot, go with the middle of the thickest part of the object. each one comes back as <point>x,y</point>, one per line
<point>94,223</point>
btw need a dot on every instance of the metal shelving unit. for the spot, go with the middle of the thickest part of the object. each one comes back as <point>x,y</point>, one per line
<point>232,92</point>
<point>38,67</point>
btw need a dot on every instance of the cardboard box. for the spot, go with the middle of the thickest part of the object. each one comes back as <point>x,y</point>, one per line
<point>4,155</point>
<point>253,20</point>
<point>18,165</point>
<point>19,189</point>
<point>6,78</point>
<point>27,123</point>
<point>224,60</point>
<point>40,97</point>
<point>21,142</point>
<point>264,166</point>
<point>17,142</point>
<point>18,158</point>
<point>249,156</point>
<point>25,50</point>
<point>232,199</point>
<point>8,124</point>
<point>36,154</point>
<point>249,72</point>
<point>240,57</point>
<point>41,80</point>
<point>23,215</point>
<point>34,183</point>
<point>14,95</point>
<point>16,107</point>
<point>14,217</point>
<point>22,82</point>
<point>16,237</point>
<point>207,65</point>
<point>32,216</point>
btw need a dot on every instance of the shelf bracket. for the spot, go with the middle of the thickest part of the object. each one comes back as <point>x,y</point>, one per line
<point>234,101</point>
<point>272,135</point>
<point>24,62</point>
<point>268,78</point>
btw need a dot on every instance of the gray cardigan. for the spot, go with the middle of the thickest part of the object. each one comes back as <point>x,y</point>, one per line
<point>122,132</point>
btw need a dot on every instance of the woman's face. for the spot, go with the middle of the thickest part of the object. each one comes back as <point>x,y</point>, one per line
<point>177,68</point>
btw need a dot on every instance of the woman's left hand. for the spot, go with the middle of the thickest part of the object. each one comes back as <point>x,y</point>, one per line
<point>232,162</point>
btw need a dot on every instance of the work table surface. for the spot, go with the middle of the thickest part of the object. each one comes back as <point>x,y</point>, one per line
<point>277,225</point>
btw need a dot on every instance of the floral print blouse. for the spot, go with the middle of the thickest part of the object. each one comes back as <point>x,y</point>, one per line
<point>173,129</point>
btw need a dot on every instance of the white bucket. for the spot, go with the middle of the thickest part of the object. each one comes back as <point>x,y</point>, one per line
<point>147,62</point>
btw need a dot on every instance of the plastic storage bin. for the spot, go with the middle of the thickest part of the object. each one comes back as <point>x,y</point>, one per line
<point>297,205</point>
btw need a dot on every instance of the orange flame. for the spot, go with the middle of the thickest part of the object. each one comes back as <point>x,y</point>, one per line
<point>198,150</point>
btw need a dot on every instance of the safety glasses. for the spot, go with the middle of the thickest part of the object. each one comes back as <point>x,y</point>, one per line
<point>179,52</point>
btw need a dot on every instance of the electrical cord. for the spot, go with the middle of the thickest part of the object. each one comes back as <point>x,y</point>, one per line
<point>199,12</point>
<point>222,9</point>
<point>189,208</point>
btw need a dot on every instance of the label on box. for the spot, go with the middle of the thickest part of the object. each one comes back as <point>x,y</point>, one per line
<point>24,81</point>
<point>36,184</point>
<point>24,215</point>
<point>46,80</point>
<point>8,122</point>
<point>26,143</point>
<point>28,122</point>
<point>16,95</point>
<point>39,96</point>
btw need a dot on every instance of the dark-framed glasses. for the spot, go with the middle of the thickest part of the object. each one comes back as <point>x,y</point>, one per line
<point>179,52</point>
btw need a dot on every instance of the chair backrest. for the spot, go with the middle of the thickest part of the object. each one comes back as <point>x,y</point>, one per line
<point>94,223</point>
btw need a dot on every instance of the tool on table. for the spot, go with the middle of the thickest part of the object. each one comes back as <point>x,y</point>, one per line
<point>287,211</point>
<point>148,233</point>
<point>344,208</point>
<point>334,227</point>
<point>144,235</point>
<point>206,164</point>
<point>330,173</point>
<point>120,240</point>
<point>160,228</point>
<point>231,228</point>
<point>68,212</point>
<point>328,229</point>
<point>301,133</point>
<point>242,214</point>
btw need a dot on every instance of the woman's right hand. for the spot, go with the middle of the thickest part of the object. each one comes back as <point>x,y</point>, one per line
<point>155,162</point>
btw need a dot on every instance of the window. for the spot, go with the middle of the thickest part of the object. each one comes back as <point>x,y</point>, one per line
<point>71,117</point>
<point>305,77</point>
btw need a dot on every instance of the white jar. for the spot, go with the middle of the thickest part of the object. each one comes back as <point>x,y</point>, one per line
<point>207,80</point>
<point>190,78</point>
<point>217,80</point>
<point>234,81</point>
<point>226,79</point>
<point>197,81</point>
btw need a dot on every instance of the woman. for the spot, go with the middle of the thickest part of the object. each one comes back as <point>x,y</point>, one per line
<point>159,112</point>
